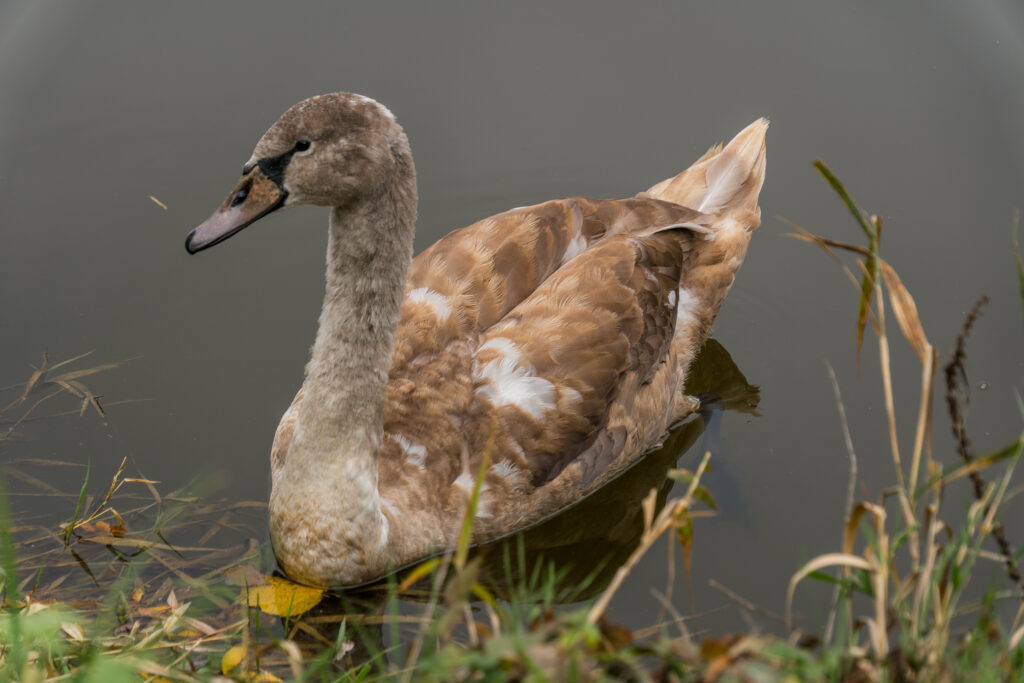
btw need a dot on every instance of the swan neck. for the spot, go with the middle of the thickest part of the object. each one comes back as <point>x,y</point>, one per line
<point>326,494</point>
<point>368,255</point>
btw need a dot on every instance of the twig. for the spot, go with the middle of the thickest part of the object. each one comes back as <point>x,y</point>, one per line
<point>957,399</point>
<point>746,604</point>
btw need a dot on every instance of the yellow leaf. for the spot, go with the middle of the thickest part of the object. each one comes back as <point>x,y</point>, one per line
<point>232,658</point>
<point>283,598</point>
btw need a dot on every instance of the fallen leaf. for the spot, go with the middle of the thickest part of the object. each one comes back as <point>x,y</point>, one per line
<point>231,659</point>
<point>283,598</point>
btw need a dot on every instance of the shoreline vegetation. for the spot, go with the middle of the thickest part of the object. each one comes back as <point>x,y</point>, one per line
<point>172,586</point>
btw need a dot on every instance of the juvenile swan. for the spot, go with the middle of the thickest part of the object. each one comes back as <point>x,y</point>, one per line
<point>547,344</point>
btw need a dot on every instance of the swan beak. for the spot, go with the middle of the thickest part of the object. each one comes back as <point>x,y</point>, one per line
<point>254,197</point>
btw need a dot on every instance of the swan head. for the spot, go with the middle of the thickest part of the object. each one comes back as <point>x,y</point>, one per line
<point>328,150</point>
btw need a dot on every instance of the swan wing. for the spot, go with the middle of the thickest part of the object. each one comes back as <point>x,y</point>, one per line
<point>523,334</point>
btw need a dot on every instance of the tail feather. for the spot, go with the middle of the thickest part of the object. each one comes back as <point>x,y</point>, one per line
<point>724,184</point>
<point>724,179</point>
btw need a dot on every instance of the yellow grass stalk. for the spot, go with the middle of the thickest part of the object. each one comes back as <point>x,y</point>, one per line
<point>653,529</point>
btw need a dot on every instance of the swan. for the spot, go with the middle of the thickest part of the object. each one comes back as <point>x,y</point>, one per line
<point>542,349</point>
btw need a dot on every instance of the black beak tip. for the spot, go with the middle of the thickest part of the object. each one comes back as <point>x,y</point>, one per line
<point>188,243</point>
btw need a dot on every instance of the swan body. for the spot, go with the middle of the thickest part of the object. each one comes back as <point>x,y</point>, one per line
<point>548,344</point>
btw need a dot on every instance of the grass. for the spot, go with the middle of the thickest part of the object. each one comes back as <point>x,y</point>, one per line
<point>176,587</point>
<point>912,567</point>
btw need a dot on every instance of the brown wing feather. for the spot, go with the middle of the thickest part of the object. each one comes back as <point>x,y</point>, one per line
<point>484,270</point>
<point>572,341</point>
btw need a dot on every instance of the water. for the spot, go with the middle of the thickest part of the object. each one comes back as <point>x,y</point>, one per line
<point>917,107</point>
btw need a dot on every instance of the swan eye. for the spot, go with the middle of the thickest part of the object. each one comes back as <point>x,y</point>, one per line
<point>241,195</point>
<point>302,145</point>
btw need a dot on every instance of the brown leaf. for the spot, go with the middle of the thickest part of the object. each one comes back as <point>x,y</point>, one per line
<point>614,635</point>
<point>68,388</point>
<point>712,649</point>
<point>905,310</point>
<point>78,374</point>
<point>684,532</point>
<point>825,242</point>
<point>31,384</point>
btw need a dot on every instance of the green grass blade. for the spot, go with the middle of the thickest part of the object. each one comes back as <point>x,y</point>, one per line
<point>952,474</point>
<point>840,189</point>
<point>872,228</point>
<point>15,656</point>
<point>78,510</point>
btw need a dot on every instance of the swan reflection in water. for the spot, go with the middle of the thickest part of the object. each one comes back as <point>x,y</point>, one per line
<point>582,546</point>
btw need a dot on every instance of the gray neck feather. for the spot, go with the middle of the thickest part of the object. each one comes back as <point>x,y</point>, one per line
<point>368,254</point>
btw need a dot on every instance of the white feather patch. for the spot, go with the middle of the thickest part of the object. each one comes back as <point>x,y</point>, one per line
<point>507,382</point>
<point>415,454</point>
<point>385,528</point>
<point>686,312</point>
<point>704,230</point>
<point>577,245</point>
<point>465,482</point>
<point>505,468</point>
<point>437,301</point>
<point>733,166</point>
